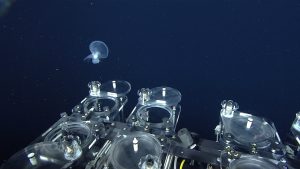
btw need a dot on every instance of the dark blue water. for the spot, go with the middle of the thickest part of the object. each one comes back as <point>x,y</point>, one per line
<point>248,51</point>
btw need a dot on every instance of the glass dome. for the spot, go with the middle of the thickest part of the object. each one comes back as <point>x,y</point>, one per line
<point>128,151</point>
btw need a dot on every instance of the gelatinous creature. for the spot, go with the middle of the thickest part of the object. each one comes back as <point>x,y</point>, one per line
<point>99,51</point>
